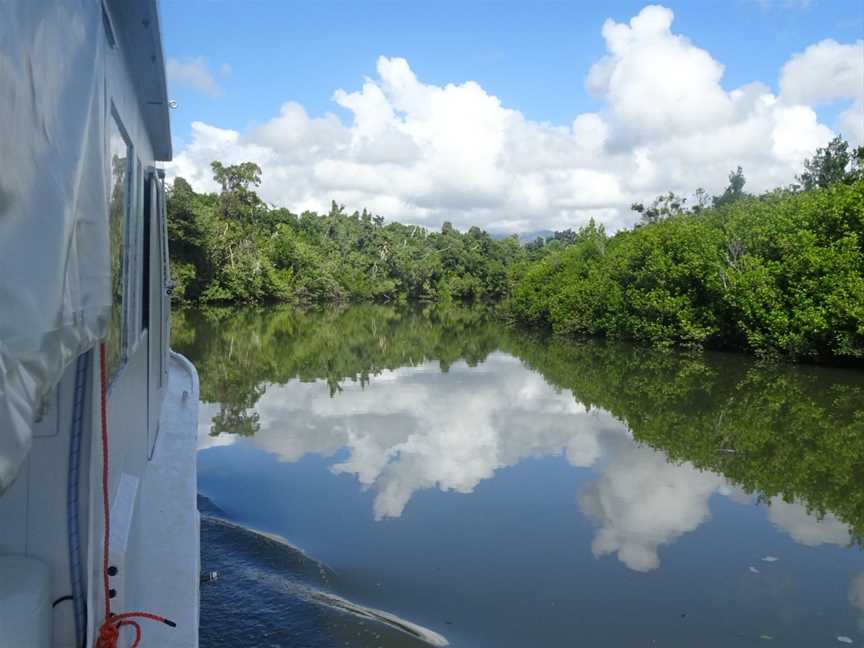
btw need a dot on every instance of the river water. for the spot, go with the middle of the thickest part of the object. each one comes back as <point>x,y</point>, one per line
<point>373,476</point>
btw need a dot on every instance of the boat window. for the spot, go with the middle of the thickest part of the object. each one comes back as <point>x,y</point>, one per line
<point>118,200</point>
<point>134,256</point>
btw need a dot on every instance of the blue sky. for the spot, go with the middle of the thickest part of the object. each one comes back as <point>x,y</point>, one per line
<point>533,56</point>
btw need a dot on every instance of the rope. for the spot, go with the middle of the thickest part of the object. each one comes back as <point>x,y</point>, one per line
<point>109,631</point>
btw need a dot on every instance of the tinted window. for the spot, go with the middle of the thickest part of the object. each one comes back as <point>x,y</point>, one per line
<point>118,153</point>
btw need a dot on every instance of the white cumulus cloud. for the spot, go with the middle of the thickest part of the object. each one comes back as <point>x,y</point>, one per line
<point>193,74</point>
<point>425,153</point>
<point>826,72</point>
<point>658,84</point>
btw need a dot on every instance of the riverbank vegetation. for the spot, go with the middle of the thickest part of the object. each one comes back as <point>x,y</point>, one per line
<point>231,247</point>
<point>781,273</point>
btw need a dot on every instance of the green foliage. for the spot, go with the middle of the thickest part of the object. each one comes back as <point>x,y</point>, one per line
<point>666,206</point>
<point>782,274</point>
<point>832,164</point>
<point>794,272</point>
<point>231,247</point>
<point>237,199</point>
<point>734,191</point>
<point>541,288</point>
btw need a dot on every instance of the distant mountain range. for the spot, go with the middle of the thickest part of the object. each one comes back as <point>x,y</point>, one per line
<point>524,237</point>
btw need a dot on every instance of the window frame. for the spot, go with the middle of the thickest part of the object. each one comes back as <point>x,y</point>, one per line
<point>135,220</point>
<point>164,296</point>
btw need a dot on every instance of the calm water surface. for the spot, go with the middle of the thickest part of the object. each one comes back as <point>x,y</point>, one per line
<point>366,469</point>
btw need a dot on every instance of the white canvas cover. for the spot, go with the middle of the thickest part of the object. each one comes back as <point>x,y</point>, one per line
<point>54,266</point>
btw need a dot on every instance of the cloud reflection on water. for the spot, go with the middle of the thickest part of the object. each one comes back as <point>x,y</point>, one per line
<point>414,428</point>
<point>805,528</point>
<point>641,501</point>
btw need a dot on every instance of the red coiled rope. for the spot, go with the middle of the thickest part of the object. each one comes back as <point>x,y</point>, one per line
<point>109,631</point>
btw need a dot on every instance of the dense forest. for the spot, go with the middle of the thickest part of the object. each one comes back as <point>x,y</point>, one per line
<point>232,247</point>
<point>780,273</point>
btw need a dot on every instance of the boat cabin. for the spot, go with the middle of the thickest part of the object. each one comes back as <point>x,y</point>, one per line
<point>84,274</point>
